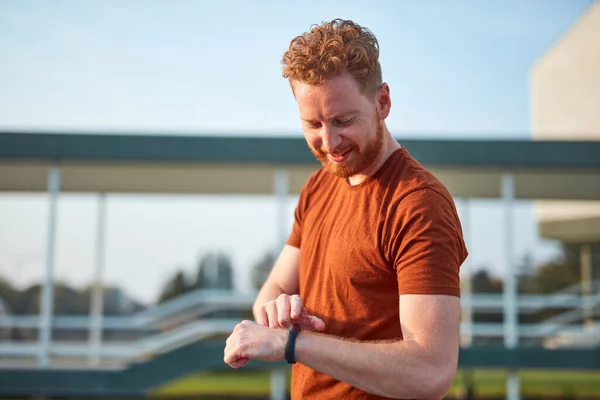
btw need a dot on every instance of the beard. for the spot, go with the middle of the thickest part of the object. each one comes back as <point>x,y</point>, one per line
<point>358,162</point>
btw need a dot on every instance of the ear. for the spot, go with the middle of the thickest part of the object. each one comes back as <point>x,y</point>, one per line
<point>384,100</point>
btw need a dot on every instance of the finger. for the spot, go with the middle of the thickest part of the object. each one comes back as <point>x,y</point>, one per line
<point>317,323</point>
<point>296,306</point>
<point>228,344</point>
<point>241,362</point>
<point>271,309</point>
<point>262,318</point>
<point>306,325</point>
<point>310,322</point>
<point>230,357</point>
<point>283,311</point>
<point>233,356</point>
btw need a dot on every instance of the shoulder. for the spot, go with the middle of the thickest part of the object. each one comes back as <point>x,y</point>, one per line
<point>418,206</point>
<point>409,182</point>
<point>316,180</point>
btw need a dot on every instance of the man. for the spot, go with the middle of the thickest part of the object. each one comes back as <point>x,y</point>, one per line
<point>364,297</point>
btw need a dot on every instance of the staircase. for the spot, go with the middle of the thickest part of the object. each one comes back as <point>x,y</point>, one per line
<point>183,321</point>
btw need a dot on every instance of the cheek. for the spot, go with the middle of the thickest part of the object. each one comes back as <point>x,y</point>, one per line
<point>357,135</point>
<point>312,139</point>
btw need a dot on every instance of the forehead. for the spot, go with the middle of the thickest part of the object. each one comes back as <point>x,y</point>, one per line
<point>334,96</point>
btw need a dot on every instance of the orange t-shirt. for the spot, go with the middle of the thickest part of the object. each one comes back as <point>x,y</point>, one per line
<point>362,246</point>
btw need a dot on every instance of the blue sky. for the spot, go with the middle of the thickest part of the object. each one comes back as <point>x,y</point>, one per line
<point>456,69</point>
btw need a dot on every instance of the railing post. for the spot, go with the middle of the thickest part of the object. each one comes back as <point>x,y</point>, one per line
<point>281,191</point>
<point>278,384</point>
<point>511,335</point>
<point>466,337</point>
<point>585,255</point>
<point>97,294</point>
<point>47,298</point>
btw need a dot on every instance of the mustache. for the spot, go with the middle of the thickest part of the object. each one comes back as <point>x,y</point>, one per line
<point>336,152</point>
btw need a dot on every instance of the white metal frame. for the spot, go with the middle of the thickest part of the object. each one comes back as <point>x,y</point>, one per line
<point>510,303</point>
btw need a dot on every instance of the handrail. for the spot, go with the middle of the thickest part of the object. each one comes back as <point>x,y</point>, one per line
<point>183,312</point>
<point>127,351</point>
<point>191,303</point>
<point>217,301</point>
<point>198,330</point>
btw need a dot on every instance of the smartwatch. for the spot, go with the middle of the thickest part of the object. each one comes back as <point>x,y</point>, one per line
<point>290,346</point>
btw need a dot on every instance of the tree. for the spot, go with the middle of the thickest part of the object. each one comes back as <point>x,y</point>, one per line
<point>261,269</point>
<point>115,301</point>
<point>67,301</point>
<point>215,271</point>
<point>70,301</point>
<point>483,282</point>
<point>175,286</point>
<point>526,279</point>
<point>28,301</point>
<point>8,293</point>
<point>561,272</point>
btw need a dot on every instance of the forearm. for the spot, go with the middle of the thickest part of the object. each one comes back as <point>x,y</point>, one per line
<point>269,291</point>
<point>283,278</point>
<point>402,369</point>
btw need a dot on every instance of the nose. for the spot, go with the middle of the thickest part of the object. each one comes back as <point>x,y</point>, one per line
<point>331,139</point>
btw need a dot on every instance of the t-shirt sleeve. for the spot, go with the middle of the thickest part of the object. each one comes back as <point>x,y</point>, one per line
<point>426,246</point>
<point>295,236</point>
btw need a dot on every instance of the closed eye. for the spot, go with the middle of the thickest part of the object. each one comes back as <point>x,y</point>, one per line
<point>344,122</point>
<point>313,125</point>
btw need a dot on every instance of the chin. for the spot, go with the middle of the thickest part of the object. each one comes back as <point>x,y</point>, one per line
<point>343,171</point>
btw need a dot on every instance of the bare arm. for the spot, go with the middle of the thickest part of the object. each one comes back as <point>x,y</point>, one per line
<point>283,278</point>
<point>423,365</point>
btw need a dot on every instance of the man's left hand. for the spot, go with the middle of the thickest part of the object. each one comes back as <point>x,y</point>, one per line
<point>251,341</point>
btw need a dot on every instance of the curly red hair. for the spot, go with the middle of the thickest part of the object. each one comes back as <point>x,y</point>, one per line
<point>331,49</point>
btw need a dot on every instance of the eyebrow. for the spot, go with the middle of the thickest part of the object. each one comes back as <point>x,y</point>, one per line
<point>350,113</point>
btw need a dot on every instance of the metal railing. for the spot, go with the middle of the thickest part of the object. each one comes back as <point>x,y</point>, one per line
<point>180,321</point>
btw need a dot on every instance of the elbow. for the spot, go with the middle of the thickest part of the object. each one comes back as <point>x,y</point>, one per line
<point>437,384</point>
<point>433,384</point>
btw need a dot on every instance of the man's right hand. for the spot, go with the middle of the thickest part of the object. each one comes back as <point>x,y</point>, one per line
<point>285,310</point>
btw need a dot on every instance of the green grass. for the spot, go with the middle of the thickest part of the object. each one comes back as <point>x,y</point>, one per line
<point>536,383</point>
<point>231,383</point>
<point>488,383</point>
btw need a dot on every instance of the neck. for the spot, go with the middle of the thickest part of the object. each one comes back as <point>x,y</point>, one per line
<point>390,145</point>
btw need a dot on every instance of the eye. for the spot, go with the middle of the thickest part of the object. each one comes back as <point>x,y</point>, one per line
<point>312,125</point>
<point>344,122</point>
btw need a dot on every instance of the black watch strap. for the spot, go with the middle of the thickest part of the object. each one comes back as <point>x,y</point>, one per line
<point>290,347</point>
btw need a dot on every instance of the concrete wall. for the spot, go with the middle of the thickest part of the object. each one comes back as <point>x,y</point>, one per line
<point>565,83</point>
<point>565,105</point>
